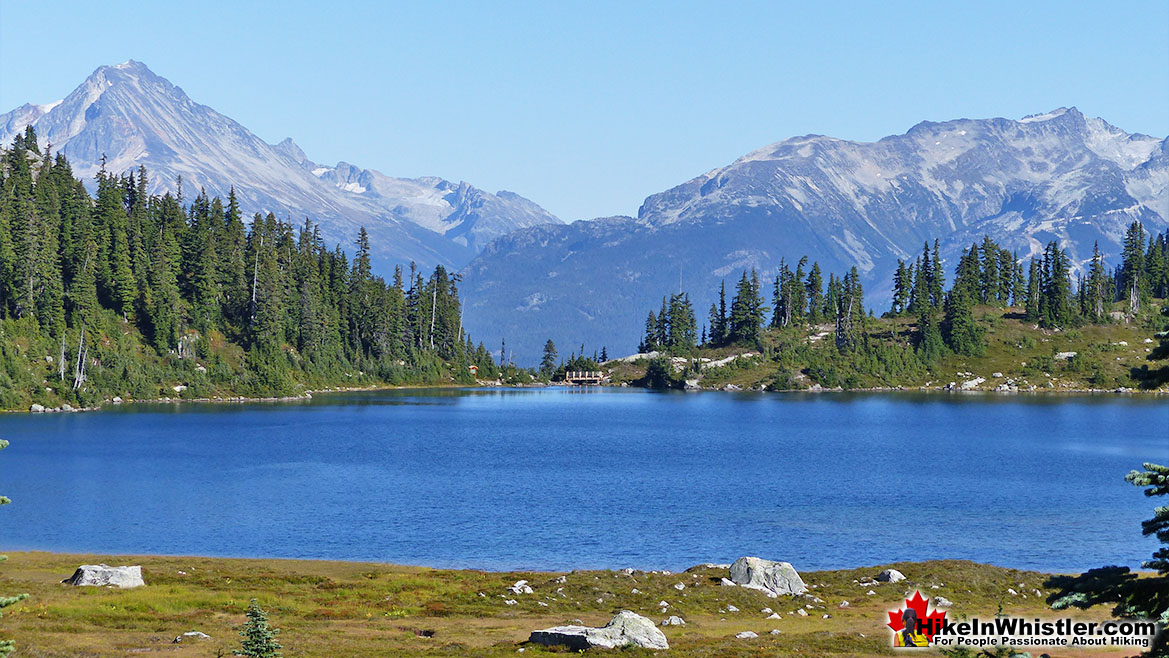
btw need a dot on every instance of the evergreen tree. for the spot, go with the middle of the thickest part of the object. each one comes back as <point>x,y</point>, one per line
<point>815,290</point>
<point>1032,308</point>
<point>962,334</point>
<point>929,342</point>
<point>901,287</point>
<point>1133,267</point>
<point>649,340</point>
<point>259,638</point>
<point>747,311</point>
<point>548,363</point>
<point>1097,286</point>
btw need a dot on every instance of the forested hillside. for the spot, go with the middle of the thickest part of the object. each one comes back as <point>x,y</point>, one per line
<point>1001,323</point>
<point>135,295</point>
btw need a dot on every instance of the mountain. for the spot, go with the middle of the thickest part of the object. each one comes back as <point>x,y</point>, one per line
<point>1058,175</point>
<point>135,117</point>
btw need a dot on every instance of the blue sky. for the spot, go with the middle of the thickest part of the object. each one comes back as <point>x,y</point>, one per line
<point>588,107</point>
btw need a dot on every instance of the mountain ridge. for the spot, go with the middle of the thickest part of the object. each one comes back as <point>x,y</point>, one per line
<point>1053,175</point>
<point>132,116</point>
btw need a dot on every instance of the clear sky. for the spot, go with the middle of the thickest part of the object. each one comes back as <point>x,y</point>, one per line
<point>588,107</point>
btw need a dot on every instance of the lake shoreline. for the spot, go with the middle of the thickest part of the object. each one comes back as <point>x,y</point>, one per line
<point>308,394</point>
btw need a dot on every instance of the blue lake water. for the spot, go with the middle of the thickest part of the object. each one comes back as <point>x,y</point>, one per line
<point>560,479</point>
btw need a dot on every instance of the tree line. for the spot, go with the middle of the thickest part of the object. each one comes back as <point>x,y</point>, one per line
<point>189,275</point>
<point>986,274</point>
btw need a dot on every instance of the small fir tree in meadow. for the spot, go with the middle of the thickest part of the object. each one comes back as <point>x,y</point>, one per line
<point>259,639</point>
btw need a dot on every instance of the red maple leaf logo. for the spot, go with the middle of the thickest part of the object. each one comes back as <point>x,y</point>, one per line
<point>931,622</point>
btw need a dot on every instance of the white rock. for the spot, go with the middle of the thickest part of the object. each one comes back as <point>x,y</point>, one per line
<point>510,601</point>
<point>560,579</point>
<point>746,635</point>
<point>870,592</point>
<point>996,375</point>
<point>102,575</point>
<point>775,631</point>
<point>625,629</point>
<point>774,615</point>
<point>767,611</point>
<point>37,408</point>
<point>767,576</point>
<point>890,576</point>
<point>725,582</point>
<point>635,591</point>
<point>179,388</point>
<point>679,586</point>
<point>1064,356</point>
<point>1012,592</point>
<point>801,612</point>
<point>942,602</point>
<point>972,384</point>
<point>731,608</point>
<point>116,400</point>
<point>520,587</point>
<point>673,620</point>
<point>663,604</point>
<point>191,635</point>
<point>843,604</point>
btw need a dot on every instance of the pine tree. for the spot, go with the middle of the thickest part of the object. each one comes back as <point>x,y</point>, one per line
<point>649,340</point>
<point>259,639</point>
<point>1032,307</point>
<point>747,311</point>
<point>815,290</point>
<point>962,334</point>
<point>1096,286</point>
<point>929,342</point>
<point>901,287</point>
<point>548,363</point>
<point>1133,267</point>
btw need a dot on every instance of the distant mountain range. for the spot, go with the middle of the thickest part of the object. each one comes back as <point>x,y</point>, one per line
<point>135,117</point>
<point>1058,175</point>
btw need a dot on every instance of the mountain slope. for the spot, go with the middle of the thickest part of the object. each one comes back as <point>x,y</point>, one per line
<point>1058,175</point>
<point>135,117</point>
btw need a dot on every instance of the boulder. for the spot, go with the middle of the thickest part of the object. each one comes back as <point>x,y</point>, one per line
<point>191,635</point>
<point>520,587</point>
<point>942,602</point>
<point>103,575</point>
<point>626,629</point>
<point>726,582</point>
<point>774,578</point>
<point>890,576</point>
<point>746,635</point>
<point>37,408</point>
<point>673,620</point>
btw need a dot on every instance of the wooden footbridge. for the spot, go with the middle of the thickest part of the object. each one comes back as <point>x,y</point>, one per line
<point>584,377</point>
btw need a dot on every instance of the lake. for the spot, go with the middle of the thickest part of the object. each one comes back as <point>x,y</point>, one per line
<point>558,478</point>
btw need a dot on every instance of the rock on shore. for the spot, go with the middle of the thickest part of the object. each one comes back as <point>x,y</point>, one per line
<point>103,575</point>
<point>775,578</point>
<point>626,629</point>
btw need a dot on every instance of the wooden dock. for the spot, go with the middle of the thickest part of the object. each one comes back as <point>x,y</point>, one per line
<point>584,377</point>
